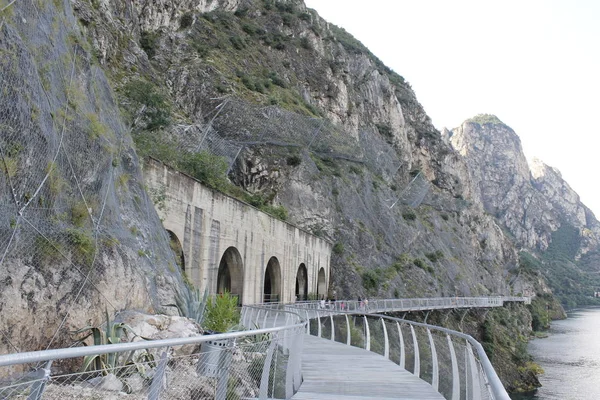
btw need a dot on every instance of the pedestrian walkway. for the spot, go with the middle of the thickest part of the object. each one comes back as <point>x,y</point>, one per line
<point>334,370</point>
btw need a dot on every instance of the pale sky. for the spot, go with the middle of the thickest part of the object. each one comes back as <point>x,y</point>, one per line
<point>533,63</point>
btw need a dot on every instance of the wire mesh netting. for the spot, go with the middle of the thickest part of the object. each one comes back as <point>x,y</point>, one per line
<point>71,197</point>
<point>234,366</point>
<point>215,369</point>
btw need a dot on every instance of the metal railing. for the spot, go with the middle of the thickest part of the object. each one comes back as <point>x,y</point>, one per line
<point>419,304</point>
<point>261,363</point>
<point>454,363</point>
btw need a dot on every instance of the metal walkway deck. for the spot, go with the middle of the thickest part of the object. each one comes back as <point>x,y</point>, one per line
<point>334,370</point>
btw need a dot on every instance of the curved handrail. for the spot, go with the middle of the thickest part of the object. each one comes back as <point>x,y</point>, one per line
<point>492,382</point>
<point>415,304</point>
<point>496,387</point>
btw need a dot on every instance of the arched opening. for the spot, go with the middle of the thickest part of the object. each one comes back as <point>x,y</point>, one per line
<point>321,285</point>
<point>272,284</point>
<point>177,249</point>
<point>231,273</point>
<point>301,283</point>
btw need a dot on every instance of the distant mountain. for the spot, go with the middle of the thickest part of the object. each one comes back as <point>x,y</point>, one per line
<point>539,209</point>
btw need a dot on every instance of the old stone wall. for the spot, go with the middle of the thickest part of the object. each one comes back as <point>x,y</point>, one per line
<point>222,236</point>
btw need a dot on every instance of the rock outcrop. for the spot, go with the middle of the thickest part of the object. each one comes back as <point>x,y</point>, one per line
<point>533,201</point>
<point>78,233</point>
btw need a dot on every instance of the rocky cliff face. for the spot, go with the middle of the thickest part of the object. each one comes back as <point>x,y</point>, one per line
<point>78,233</point>
<point>305,117</point>
<point>531,201</point>
<point>310,120</point>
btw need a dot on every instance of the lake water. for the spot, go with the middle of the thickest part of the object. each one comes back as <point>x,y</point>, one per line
<point>570,357</point>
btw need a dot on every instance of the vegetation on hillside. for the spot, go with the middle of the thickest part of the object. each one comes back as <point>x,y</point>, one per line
<point>483,119</point>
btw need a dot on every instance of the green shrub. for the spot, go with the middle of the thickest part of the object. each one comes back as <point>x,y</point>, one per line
<point>208,168</point>
<point>423,265</point>
<point>148,43</point>
<point>305,17</point>
<point>82,243</point>
<point>276,80</point>
<point>276,211</point>
<point>186,20</point>
<point>384,130</point>
<point>237,42</point>
<point>79,214</point>
<point>47,251</point>
<point>435,256</point>
<point>249,29</point>
<point>294,160</point>
<point>222,314</point>
<point>338,248</point>
<point>305,43</point>
<point>157,111</point>
<point>409,215</point>
<point>371,280</point>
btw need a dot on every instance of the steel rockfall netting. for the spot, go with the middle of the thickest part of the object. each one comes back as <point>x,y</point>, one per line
<point>233,366</point>
<point>232,126</point>
<point>68,207</point>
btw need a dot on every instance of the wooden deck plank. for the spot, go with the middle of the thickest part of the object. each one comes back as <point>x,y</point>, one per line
<point>334,370</point>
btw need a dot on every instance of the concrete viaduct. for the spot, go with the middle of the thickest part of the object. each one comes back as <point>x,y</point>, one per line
<point>227,245</point>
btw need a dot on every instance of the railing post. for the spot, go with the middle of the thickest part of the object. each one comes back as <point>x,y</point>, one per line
<point>299,343</point>
<point>455,374</point>
<point>348,332</point>
<point>319,324</point>
<point>256,323</point>
<point>474,374</point>
<point>224,364</point>
<point>37,389</point>
<point>367,334</point>
<point>264,379</point>
<point>402,351</point>
<point>435,379</point>
<point>386,342</point>
<point>289,369</point>
<point>158,378</point>
<point>332,328</point>
<point>307,323</point>
<point>417,368</point>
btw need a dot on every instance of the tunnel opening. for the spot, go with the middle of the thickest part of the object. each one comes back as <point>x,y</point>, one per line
<point>321,285</point>
<point>177,249</point>
<point>302,283</point>
<point>272,283</point>
<point>230,277</point>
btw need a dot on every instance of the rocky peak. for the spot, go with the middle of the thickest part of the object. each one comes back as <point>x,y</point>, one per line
<point>549,182</point>
<point>531,199</point>
<point>494,154</point>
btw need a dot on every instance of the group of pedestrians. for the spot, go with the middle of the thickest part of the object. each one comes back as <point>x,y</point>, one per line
<point>363,303</point>
<point>330,304</point>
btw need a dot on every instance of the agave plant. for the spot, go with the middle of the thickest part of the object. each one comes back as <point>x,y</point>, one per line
<point>120,364</point>
<point>190,304</point>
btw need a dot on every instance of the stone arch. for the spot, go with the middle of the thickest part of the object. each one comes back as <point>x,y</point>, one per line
<point>231,273</point>
<point>175,245</point>
<point>321,284</point>
<point>302,283</point>
<point>272,283</point>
